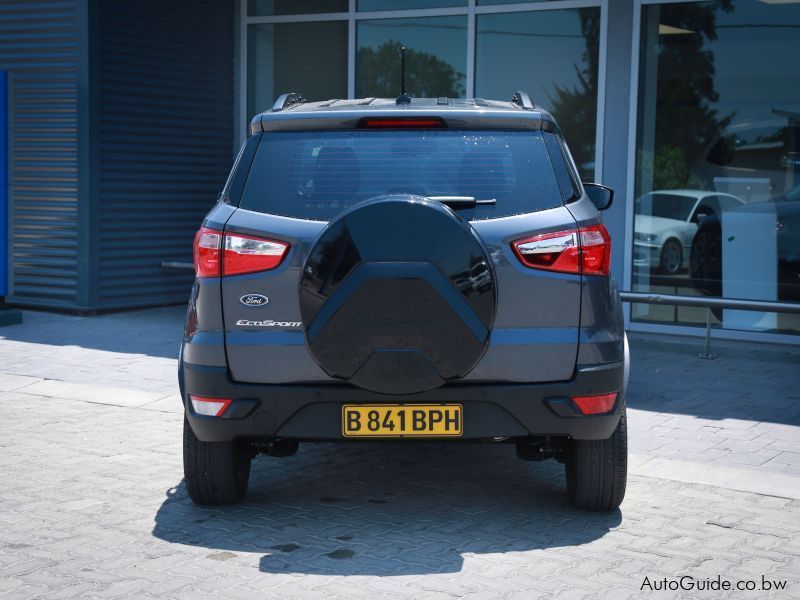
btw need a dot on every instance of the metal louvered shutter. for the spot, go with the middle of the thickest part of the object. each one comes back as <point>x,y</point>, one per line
<point>165,140</point>
<point>39,47</point>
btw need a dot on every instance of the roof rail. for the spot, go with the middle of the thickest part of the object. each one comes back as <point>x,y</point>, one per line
<point>523,100</point>
<point>287,100</point>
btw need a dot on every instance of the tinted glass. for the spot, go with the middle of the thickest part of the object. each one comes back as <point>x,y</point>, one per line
<point>366,5</point>
<point>489,2</point>
<point>310,58</point>
<point>552,55</point>
<point>315,175</point>
<point>436,57</point>
<point>666,206</point>
<point>719,111</point>
<point>290,7</point>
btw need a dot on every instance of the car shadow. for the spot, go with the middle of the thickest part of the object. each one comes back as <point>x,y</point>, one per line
<point>747,381</point>
<point>153,332</point>
<point>387,509</point>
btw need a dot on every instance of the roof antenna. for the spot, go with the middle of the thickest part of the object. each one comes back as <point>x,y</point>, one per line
<point>403,98</point>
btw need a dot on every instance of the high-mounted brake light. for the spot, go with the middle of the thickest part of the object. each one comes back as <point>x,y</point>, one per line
<point>595,405</point>
<point>398,122</point>
<point>217,254</point>
<point>209,407</point>
<point>584,250</point>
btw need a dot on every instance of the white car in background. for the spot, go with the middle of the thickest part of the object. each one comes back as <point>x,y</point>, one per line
<point>665,222</point>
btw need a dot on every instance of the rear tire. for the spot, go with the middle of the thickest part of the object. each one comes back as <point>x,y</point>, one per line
<point>215,472</point>
<point>597,470</point>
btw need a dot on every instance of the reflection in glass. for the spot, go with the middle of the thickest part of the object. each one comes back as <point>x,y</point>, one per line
<point>310,58</point>
<point>485,2</point>
<point>719,125</point>
<point>368,5</point>
<point>665,224</point>
<point>292,7</point>
<point>552,55</point>
<point>435,57</point>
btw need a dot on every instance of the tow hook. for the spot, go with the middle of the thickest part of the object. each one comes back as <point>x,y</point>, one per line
<point>278,447</point>
<point>535,449</point>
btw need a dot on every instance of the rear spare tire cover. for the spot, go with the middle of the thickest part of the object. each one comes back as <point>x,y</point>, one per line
<point>398,296</point>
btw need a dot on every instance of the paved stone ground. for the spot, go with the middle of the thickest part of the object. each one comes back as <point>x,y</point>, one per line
<point>742,409</point>
<point>135,350</point>
<point>92,501</point>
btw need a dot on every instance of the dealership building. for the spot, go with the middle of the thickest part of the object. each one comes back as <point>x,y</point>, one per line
<point>120,119</point>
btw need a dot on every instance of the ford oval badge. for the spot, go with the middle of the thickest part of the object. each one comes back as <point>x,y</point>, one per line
<point>254,300</point>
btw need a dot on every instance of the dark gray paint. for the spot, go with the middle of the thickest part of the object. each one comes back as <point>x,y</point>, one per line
<point>347,114</point>
<point>546,323</point>
<point>602,333</point>
<point>535,334</point>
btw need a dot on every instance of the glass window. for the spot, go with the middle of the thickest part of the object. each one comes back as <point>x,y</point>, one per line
<point>367,5</point>
<point>310,58</point>
<point>719,130</point>
<point>485,2</point>
<point>316,175</point>
<point>552,55</point>
<point>258,8</point>
<point>436,57</point>
<point>666,206</point>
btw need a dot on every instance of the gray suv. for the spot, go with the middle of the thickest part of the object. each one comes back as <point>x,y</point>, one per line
<point>416,270</point>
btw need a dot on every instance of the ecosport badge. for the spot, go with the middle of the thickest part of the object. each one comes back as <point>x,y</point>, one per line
<point>254,300</point>
<point>267,323</point>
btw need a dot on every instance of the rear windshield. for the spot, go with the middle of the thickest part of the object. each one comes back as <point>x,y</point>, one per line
<point>317,174</point>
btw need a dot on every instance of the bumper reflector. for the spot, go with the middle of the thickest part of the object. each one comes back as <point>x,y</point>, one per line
<point>595,405</point>
<point>210,407</point>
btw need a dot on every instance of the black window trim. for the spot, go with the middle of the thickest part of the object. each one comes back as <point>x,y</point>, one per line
<point>577,185</point>
<point>234,187</point>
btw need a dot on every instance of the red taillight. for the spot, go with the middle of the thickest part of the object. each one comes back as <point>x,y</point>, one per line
<point>246,254</point>
<point>207,251</point>
<point>585,250</point>
<point>209,407</point>
<point>394,122</point>
<point>595,250</point>
<point>595,405</point>
<point>216,254</point>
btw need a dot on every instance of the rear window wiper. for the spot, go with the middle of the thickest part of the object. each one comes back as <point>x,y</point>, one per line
<point>463,201</point>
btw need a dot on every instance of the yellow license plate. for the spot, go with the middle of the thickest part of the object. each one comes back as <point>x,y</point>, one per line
<point>402,420</point>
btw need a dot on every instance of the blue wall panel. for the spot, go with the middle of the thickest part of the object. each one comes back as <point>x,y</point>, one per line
<point>40,50</point>
<point>3,185</point>
<point>165,140</point>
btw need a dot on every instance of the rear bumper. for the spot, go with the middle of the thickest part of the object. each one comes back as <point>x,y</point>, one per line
<point>313,412</point>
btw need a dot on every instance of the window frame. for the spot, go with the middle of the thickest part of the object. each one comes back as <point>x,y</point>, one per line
<point>471,10</point>
<point>635,72</point>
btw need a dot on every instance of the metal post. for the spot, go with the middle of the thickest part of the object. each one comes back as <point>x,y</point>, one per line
<point>708,304</point>
<point>707,354</point>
